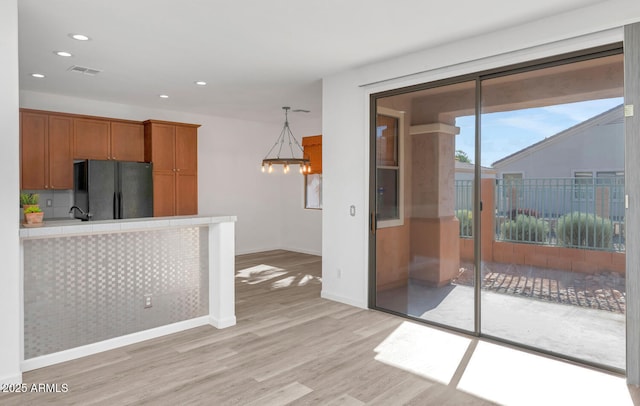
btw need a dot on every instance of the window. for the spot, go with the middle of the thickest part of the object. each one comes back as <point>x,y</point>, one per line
<point>582,182</point>
<point>614,180</point>
<point>512,186</point>
<point>389,181</point>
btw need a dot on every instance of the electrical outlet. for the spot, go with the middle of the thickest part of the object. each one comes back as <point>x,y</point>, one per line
<point>49,202</point>
<point>147,301</point>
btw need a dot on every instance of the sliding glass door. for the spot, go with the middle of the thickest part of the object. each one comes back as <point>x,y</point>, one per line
<point>499,205</point>
<point>554,278</point>
<point>424,204</point>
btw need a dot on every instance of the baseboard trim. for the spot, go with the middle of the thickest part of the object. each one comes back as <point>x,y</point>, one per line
<point>11,379</point>
<point>336,298</point>
<point>304,251</point>
<point>112,343</point>
<point>223,323</point>
<point>256,250</point>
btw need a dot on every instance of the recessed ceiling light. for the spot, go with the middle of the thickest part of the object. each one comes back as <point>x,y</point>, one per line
<point>63,53</point>
<point>37,75</point>
<point>164,96</point>
<point>79,37</point>
<point>201,83</point>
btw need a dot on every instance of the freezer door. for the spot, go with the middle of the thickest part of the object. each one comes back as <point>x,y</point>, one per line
<point>101,182</point>
<point>135,194</point>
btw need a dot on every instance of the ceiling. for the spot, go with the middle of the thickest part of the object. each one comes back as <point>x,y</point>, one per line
<point>255,55</point>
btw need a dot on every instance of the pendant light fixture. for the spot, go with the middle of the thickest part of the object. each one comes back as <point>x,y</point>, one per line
<point>286,137</point>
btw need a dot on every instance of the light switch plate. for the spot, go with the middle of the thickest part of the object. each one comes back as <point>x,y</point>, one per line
<point>628,110</point>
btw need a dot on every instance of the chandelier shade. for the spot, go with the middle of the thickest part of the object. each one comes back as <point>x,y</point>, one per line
<point>290,154</point>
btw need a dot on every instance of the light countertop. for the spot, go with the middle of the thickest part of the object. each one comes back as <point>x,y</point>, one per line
<point>67,227</point>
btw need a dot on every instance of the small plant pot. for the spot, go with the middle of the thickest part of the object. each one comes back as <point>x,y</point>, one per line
<point>33,218</point>
<point>25,207</point>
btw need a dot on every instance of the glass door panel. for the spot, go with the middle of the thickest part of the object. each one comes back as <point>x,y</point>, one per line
<point>424,200</point>
<point>553,277</point>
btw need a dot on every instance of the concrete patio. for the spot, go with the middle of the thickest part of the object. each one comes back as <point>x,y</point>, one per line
<point>592,335</point>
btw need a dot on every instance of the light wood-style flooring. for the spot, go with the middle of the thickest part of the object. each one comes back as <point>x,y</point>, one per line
<point>288,347</point>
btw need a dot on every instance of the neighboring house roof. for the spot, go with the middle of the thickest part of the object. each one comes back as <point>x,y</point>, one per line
<point>469,167</point>
<point>612,116</point>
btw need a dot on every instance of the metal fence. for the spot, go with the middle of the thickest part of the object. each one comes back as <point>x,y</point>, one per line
<point>570,212</point>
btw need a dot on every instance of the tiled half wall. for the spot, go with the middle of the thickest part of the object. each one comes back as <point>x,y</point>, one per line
<point>80,290</point>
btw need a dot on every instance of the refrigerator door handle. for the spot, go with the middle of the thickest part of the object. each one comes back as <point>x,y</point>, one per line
<point>120,204</point>
<point>115,205</point>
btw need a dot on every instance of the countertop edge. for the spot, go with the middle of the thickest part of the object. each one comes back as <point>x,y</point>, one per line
<point>114,226</point>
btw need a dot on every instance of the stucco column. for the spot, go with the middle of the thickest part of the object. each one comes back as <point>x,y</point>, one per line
<point>435,252</point>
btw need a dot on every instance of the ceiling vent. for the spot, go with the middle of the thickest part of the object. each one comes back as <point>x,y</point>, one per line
<point>84,70</point>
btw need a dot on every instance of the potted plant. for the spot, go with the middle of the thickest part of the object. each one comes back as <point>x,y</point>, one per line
<point>33,216</point>
<point>29,199</point>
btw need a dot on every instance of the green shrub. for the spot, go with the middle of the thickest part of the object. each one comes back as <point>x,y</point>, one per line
<point>32,209</point>
<point>29,198</point>
<point>525,228</point>
<point>465,217</point>
<point>579,229</point>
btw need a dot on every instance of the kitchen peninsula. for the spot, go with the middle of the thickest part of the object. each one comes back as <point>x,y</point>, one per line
<point>93,286</point>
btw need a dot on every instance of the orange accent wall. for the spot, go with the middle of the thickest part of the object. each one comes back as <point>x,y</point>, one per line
<point>313,151</point>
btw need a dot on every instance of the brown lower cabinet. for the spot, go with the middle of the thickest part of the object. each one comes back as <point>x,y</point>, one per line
<point>173,150</point>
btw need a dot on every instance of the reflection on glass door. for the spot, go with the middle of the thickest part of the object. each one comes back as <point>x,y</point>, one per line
<point>554,278</point>
<point>424,205</point>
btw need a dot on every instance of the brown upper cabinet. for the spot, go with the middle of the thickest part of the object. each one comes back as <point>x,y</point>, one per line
<point>127,141</point>
<point>108,140</point>
<point>173,150</point>
<point>313,152</point>
<point>46,159</point>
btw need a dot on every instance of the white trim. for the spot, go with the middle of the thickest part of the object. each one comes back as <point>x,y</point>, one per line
<point>90,349</point>
<point>304,251</point>
<point>400,168</point>
<point>11,379</point>
<point>521,173</point>
<point>336,298</point>
<point>434,128</point>
<point>222,323</point>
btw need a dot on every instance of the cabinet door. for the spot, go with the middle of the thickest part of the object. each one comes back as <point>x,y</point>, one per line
<point>164,192</point>
<point>163,147</point>
<point>60,153</point>
<point>90,139</point>
<point>127,141</point>
<point>186,194</point>
<point>187,150</point>
<point>33,139</point>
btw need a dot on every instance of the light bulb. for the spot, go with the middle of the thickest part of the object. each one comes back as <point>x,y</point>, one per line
<point>270,168</point>
<point>301,170</point>
<point>263,168</point>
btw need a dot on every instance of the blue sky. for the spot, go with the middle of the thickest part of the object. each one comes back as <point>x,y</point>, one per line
<point>507,132</point>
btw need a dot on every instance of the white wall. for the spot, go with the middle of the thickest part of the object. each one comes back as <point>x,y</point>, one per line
<point>10,295</point>
<point>301,228</point>
<point>229,176</point>
<point>345,119</point>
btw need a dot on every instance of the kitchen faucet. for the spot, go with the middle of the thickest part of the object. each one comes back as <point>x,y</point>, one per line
<point>86,216</point>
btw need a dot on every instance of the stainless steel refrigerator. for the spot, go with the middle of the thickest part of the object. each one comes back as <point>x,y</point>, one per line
<point>113,189</point>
